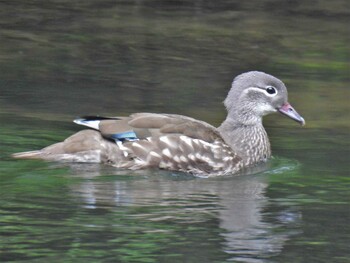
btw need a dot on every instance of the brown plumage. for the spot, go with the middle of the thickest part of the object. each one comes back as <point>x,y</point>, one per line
<point>180,143</point>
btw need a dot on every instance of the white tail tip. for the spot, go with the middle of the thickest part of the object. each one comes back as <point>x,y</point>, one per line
<point>27,155</point>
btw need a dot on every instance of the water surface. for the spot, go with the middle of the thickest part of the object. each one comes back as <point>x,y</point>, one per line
<point>62,59</point>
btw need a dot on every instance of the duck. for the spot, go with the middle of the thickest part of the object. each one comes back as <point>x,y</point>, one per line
<point>180,143</point>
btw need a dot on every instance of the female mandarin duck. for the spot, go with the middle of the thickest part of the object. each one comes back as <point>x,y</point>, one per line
<point>180,143</point>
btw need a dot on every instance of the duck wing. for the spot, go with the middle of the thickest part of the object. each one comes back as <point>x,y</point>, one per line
<point>140,126</point>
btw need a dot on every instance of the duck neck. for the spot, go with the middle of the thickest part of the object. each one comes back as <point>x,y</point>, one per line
<point>249,141</point>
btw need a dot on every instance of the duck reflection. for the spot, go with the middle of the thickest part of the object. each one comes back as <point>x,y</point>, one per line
<point>237,207</point>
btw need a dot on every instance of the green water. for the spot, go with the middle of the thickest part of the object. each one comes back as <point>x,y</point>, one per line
<point>62,59</point>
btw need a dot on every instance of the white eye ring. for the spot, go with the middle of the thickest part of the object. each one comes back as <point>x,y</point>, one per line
<point>271,91</point>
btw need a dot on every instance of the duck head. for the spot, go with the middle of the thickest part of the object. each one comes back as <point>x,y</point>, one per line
<point>255,94</point>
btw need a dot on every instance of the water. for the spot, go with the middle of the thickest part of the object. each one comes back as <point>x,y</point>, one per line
<point>62,59</point>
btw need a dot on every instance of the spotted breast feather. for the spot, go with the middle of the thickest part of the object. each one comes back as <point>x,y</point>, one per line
<point>166,141</point>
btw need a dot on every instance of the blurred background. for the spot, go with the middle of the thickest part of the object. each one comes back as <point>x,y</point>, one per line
<point>111,57</point>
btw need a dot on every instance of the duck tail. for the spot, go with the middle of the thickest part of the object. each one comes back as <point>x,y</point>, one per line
<point>28,155</point>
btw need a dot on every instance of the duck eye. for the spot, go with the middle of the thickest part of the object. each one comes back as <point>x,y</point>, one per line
<point>271,90</point>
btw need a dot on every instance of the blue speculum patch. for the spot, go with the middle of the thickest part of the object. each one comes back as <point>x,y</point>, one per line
<point>125,136</point>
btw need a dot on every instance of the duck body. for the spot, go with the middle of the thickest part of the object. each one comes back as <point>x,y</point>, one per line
<point>146,140</point>
<point>180,143</point>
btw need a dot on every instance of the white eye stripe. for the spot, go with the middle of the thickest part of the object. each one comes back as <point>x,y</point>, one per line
<point>264,90</point>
